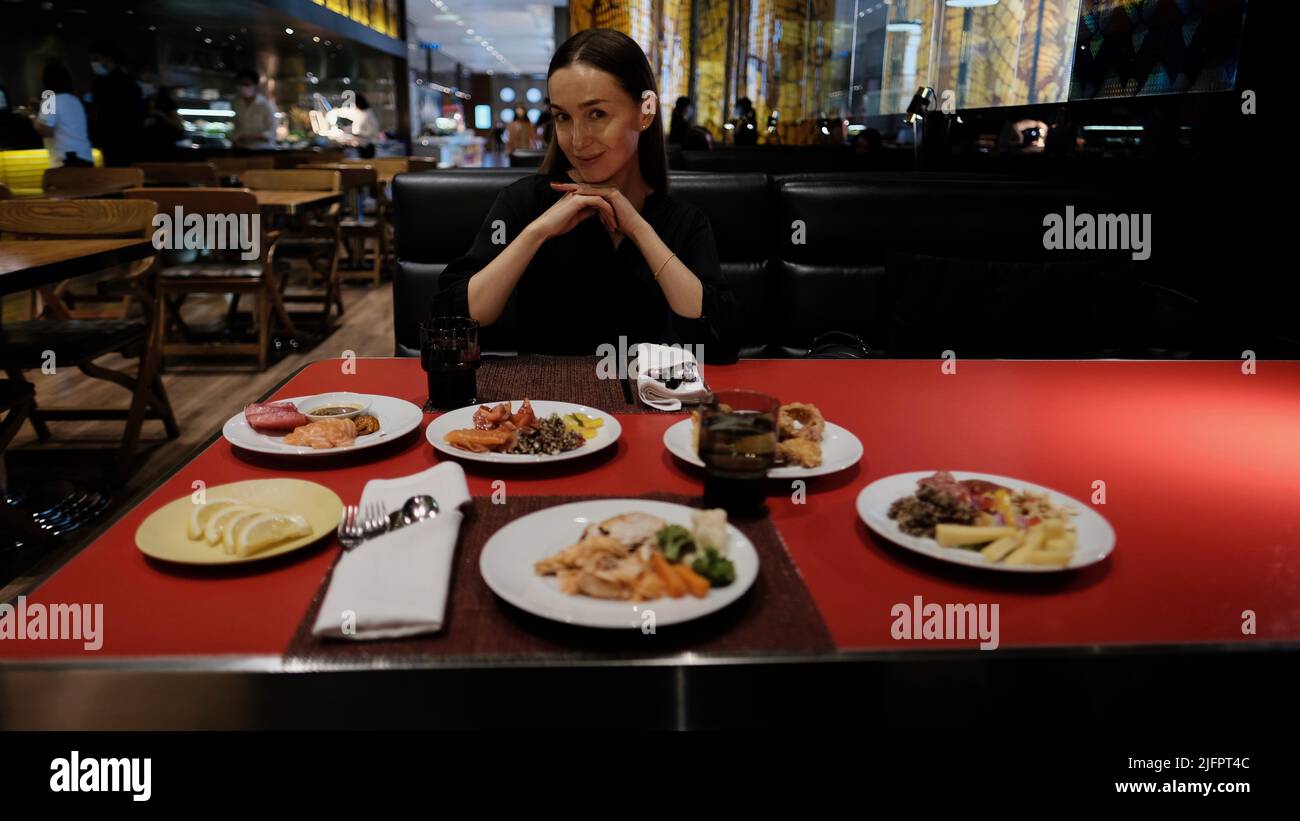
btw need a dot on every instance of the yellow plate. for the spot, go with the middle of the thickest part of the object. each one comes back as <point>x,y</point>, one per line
<point>164,534</point>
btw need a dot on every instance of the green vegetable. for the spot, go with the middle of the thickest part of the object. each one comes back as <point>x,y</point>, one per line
<point>715,567</point>
<point>674,540</point>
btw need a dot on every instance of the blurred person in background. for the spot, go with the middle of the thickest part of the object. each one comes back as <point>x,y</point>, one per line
<point>746,123</point>
<point>680,124</point>
<point>162,126</point>
<point>499,136</point>
<point>365,127</point>
<point>521,134</point>
<point>61,119</point>
<point>117,107</point>
<point>254,113</point>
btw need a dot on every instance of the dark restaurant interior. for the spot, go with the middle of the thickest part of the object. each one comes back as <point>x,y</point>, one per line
<point>834,316</point>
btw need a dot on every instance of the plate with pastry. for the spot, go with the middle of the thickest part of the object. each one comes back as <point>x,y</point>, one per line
<point>615,563</point>
<point>322,424</point>
<point>807,445</point>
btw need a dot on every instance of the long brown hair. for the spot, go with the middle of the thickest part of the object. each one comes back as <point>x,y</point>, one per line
<point>614,53</point>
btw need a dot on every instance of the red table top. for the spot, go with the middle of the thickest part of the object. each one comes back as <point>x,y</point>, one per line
<point>1201,464</point>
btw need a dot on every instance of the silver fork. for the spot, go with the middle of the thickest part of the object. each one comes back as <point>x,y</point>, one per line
<point>361,523</point>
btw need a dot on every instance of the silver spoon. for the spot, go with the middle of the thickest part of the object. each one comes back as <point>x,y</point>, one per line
<point>414,509</point>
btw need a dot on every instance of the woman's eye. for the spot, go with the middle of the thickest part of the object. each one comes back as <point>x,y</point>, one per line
<point>561,118</point>
<point>596,114</point>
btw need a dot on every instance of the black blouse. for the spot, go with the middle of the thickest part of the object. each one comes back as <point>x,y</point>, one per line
<point>579,291</point>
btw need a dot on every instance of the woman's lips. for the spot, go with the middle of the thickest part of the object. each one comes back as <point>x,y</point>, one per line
<point>589,160</point>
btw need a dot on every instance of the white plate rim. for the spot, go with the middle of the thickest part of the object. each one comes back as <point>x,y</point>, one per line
<point>433,434</point>
<point>362,442</point>
<point>612,615</point>
<point>673,433</point>
<point>888,529</point>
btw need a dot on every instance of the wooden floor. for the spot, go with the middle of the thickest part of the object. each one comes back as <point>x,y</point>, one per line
<point>201,399</point>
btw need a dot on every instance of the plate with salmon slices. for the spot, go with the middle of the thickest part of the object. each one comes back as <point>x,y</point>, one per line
<point>523,431</point>
<point>321,424</point>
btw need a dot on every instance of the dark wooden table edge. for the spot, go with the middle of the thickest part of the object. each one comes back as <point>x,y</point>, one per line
<point>275,663</point>
<point>29,278</point>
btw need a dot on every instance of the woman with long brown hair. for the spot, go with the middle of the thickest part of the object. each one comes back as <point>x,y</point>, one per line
<point>593,248</point>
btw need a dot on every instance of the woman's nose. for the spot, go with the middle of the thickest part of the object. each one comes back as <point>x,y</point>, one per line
<point>581,135</point>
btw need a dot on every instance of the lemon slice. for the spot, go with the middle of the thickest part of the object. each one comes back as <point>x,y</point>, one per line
<point>261,532</point>
<point>231,526</point>
<point>217,522</point>
<point>200,515</point>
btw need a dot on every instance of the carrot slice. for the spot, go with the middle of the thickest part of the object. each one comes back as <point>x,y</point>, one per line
<point>674,584</point>
<point>697,584</point>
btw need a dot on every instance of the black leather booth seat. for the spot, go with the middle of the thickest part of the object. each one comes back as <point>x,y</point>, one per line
<point>902,260</point>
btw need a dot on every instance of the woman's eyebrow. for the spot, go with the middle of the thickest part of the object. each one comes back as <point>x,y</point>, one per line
<point>587,104</point>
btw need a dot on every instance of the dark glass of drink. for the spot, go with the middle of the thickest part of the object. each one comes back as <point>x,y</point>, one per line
<point>449,354</point>
<point>738,445</point>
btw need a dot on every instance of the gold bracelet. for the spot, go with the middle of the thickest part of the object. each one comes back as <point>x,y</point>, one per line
<point>661,267</point>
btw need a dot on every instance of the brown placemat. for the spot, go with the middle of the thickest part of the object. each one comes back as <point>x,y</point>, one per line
<point>558,378</point>
<point>776,616</point>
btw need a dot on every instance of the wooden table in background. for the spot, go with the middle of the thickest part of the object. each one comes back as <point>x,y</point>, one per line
<point>290,201</point>
<point>28,264</point>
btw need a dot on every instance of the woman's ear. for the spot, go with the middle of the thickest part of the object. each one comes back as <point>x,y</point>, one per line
<point>649,105</point>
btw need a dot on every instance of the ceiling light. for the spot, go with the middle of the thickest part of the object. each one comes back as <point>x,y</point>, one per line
<point>288,31</point>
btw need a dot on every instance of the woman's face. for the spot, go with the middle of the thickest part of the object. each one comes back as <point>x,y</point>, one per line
<point>598,126</point>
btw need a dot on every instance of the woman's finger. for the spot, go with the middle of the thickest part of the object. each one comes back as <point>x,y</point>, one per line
<point>599,204</point>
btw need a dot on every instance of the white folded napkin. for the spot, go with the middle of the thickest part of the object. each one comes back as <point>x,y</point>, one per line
<point>396,585</point>
<point>664,361</point>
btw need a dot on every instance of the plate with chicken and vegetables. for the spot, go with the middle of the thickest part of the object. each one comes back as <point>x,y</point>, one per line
<point>616,563</point>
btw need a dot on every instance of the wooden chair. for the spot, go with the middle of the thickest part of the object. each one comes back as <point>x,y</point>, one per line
<point>214,272</point>
<point>174,174</point>
<point>5,193</point>
<point>355,226</point>
<point>422,163</point>
<point>231,169</point>
<point>64,299</point>
<point>27,345</point>
<point>314,238</point>
<point>105,179</point>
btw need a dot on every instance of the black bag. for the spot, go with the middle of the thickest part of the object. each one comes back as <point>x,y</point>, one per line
<point>839,345</point>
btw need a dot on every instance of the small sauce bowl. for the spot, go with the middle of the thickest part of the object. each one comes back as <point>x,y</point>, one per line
<point>340,405</point>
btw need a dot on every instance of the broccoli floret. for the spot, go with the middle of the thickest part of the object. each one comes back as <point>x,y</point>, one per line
<point>715,567</point>
<point>674,540</point>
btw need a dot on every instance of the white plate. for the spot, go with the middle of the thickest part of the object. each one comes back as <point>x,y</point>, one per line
<point>606,435</point>
<point>397,417</point>
<point>507,566</point>
<point>1096,536</point>
<point>840,450</point>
